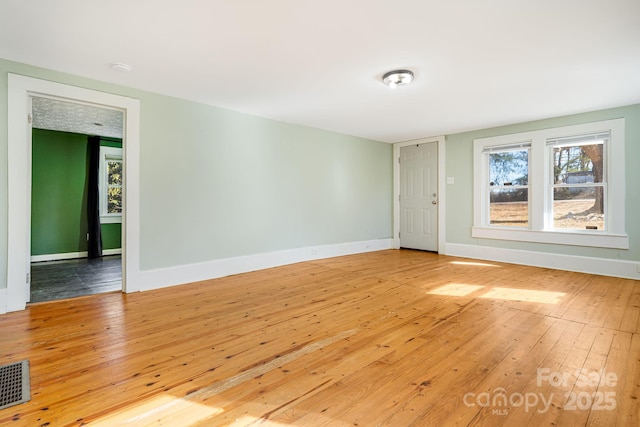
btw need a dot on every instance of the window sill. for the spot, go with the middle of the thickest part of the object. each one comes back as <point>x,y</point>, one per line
<point>573,237</point>
<point>111,219</point>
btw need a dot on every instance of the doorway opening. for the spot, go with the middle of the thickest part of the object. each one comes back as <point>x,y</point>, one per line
<point>21,91</point>
<point>69,192</point>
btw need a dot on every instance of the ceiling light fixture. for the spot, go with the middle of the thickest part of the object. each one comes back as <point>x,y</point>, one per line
<point>397,78</point>
<point>125,68</point>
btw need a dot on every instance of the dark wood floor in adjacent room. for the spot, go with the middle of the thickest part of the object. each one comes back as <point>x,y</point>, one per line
<point>393,338</point>
<point>55,280</point>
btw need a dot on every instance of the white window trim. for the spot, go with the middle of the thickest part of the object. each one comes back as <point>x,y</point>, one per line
<point>539,189</point>
<point>107,153</point>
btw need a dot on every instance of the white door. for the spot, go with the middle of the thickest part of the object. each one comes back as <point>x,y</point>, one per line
<point>419,197</point>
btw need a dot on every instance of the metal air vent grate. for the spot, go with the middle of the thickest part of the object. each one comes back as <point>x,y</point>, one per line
<point>14,384</point>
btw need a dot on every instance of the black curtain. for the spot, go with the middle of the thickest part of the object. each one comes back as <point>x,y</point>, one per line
<point>93,198</point>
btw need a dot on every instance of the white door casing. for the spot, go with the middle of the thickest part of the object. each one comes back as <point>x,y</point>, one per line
<point>419,196</point>
<point>21,89</point>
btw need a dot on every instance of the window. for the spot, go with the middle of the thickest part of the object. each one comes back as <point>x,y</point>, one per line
<point>552,186</point>
<point>508,186</point>
<point>110,184</point>
<point>579,181</point>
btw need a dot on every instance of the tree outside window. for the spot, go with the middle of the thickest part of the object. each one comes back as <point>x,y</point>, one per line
<point>114,186</point>
<point>111,180</point>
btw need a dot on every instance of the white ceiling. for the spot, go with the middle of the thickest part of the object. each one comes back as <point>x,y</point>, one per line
<point>478,63</point>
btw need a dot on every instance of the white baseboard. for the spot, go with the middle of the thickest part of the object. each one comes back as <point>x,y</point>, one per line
<point>582,264</point>
<point>161,278</point>
<point>3,300</point>
<point>71,255</point>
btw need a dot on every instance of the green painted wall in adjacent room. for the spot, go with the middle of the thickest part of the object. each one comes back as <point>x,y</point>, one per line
<point>111,236</point>
<point>58,198</point>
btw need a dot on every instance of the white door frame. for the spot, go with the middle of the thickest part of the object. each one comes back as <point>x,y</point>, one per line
<point>441,189</point>
<point>21,89</point>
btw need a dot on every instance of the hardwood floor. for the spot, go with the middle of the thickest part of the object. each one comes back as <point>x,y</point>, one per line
<point>387,338</point>
<point>54,280</point>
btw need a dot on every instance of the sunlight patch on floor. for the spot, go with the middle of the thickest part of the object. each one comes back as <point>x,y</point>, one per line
<point>456,290</point>
<point>512,294</point>
<point>526,295</point>
<point>475,264</point>
<point>164,410</point>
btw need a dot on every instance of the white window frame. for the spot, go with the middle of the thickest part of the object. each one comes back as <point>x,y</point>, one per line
<point>540,189</point>
<point>107,154</point>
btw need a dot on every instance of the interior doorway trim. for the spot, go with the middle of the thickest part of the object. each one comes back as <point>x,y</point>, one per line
<point>440,140</point>
<point>21,89</point>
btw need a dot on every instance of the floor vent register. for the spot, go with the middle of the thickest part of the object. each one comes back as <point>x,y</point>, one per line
<point>14,384</point>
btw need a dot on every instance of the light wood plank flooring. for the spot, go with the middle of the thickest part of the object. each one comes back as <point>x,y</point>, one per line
<point>393,338</point>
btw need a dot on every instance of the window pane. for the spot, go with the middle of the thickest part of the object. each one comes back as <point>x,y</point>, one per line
<point>114,172</point>
<point>578,208</point>
<point>509,168</point>
<point>509,207</point>
<point>114,201</point>
<point>578,164</point>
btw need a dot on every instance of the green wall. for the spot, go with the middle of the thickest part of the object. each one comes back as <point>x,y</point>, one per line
<point>58,197</point>
<point>459,164</point>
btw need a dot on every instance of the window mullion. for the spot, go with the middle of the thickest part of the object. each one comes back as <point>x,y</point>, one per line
<point>537,188</point>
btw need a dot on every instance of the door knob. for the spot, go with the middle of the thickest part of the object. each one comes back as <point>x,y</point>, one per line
<point>434,203</point>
